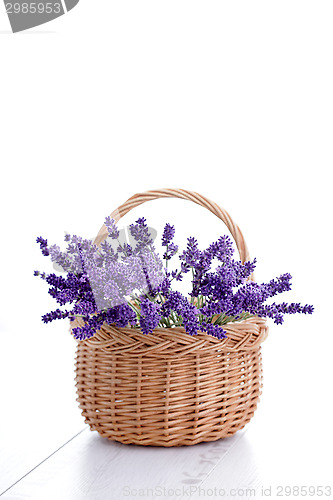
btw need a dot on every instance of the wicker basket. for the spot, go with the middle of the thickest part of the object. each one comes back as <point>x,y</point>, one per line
<point>170,388</point>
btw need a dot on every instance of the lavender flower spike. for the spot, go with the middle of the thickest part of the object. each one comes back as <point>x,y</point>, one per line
<point>168,234</point>
<point>111,227</point>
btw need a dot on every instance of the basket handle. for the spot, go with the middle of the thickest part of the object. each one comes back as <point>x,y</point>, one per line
<point>140,198</point>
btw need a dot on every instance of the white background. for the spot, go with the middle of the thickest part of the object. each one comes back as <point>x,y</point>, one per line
<point>229,99</point>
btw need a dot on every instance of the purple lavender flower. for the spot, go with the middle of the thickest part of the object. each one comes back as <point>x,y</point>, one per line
<point>87,331</point>
<point>172,303</point>
<point>222,249</point>
<point>165,286</point>
<point>276,311</point>
<point>191,255</point>
<point>177,275</point>
<point>121,316</point>
<point>214,330</point>
<point>190,317</point>
<point>141,235</point>
<point>150,316</point>
<point>186,311</point>
<point>112,228</point>
<point>57,314</point>
<point>43,246</point>
<point>168,234</point>
<point>171,250</point>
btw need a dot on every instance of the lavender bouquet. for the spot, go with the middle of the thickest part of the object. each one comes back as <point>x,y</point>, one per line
<point>133,286</point>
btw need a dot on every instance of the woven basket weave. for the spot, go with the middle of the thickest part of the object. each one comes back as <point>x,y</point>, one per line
<point>169,388</point>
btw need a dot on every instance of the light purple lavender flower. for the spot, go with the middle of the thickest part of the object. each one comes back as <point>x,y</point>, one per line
<point>141,235</point>
<point>112,228</point>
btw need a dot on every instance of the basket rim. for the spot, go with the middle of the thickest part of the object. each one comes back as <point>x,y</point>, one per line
<point>244,335</point>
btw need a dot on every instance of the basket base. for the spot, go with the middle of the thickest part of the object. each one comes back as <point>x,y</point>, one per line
<point>168,439</point>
